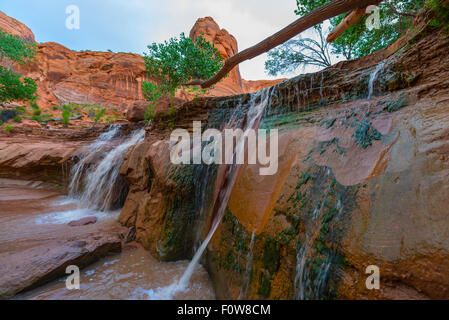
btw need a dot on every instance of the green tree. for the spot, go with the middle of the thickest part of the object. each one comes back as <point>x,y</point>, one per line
<point>13,86</point>
<point>396,17</point>
<point>177,62</point>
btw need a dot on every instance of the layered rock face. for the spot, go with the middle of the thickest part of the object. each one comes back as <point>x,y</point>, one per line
<point>227,45</point>
<point>106,78</point>
<point>98,78</point>
<point>11,25</point>
<point>360,182</point>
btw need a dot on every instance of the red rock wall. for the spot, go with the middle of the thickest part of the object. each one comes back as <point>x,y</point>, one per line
<point>112,79</point>
<point>15,27</point>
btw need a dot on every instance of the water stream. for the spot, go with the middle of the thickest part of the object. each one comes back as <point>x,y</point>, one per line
<point>373,77</point>
<point>258,104</point>
<point>96,184</point>
<point>249,266</point>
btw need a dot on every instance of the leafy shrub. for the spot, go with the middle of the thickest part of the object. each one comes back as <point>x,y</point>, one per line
<point>8,128</point>
<point>17,119</point>
<point>21,109</point>
<point>66,117</point>
<point>13,86</point>
<point>149,112</point>
<point>99,113</point>
<point>177,62</point>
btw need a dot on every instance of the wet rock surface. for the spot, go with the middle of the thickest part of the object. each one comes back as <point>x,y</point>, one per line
<point>360,182</point>
<point>83,221</point>
<point>32,253</point>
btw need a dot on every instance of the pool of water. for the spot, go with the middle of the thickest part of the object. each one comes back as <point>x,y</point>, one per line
<point>32,217</point>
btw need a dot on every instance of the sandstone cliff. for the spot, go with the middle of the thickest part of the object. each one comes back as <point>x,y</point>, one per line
<point>11,25</point>
<point>360,182</point>
<point>110,79</point>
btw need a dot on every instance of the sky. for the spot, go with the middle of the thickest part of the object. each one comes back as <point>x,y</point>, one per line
<point>131,25</point>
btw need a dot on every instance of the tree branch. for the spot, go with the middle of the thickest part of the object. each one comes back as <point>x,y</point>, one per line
<point>315,17</point>
<point>393,9</point>
<point>350,20</point>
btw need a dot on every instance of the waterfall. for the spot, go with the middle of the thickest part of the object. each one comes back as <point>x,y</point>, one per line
<point>301,259</point>
<point>95,179</point>
<point>310,281</point>
<point>373,77</point>
<point>249,266</point>
<point>258,103</point>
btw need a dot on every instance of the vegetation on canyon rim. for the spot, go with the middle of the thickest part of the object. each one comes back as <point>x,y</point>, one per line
<point>12,86</point>
<point>177,62</point>
<point>396,17</point>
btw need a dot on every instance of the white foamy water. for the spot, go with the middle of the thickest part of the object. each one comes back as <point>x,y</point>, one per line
<point>258,103</point>
<point>93,185</point>
<point>95,178</point>
<point>64,217</point>
<point>373,77</point>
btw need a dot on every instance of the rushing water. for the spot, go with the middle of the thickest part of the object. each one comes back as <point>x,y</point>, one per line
<point>248,268</point>
<point>373,77</point>
<point>258,104</point>
<point>311,281</point>
<point>98,185</point>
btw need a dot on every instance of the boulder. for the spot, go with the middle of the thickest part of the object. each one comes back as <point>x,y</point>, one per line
<point>137,111</point>
<point>83,221</point>
<point>26,269</point>
<point>30,124</point>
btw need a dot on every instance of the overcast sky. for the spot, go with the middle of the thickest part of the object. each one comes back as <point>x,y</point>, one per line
<point>130,25</point>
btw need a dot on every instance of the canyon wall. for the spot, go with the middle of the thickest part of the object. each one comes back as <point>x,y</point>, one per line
<point>107,78</point>
<point>362,180</point>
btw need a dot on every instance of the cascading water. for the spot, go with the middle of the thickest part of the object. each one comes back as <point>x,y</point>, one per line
<point>312,268</point>
<point>373,77</point>
<point>301,259</point>
<point>249,266</point>
<point>96,185</point>
<point>93,180</point>
<point>258,104</point>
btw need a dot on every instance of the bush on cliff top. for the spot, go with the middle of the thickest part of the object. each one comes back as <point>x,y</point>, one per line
<point>12,86</point>
<point>177,62</point>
